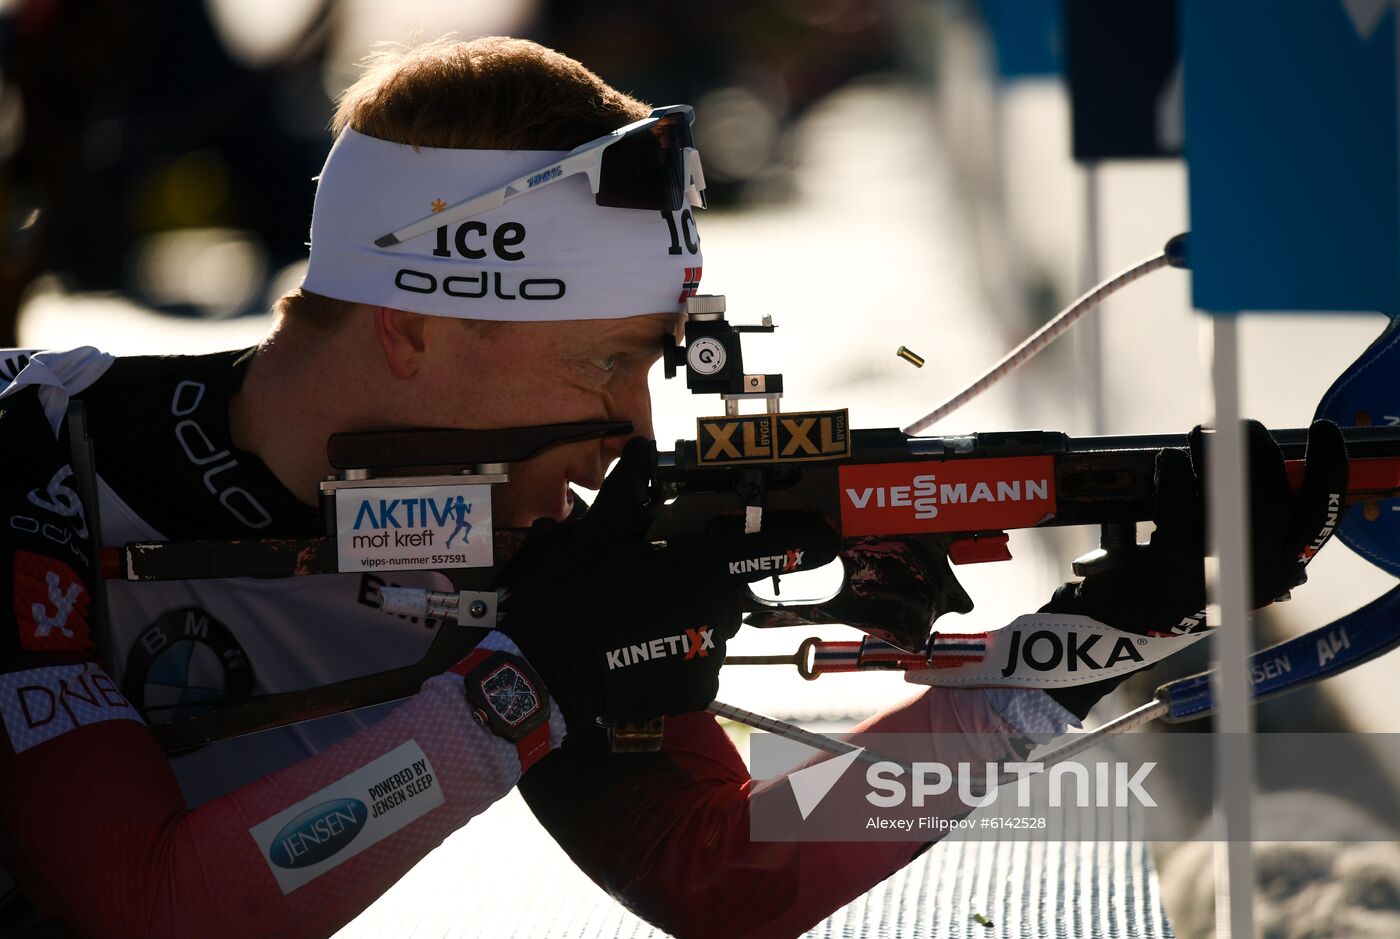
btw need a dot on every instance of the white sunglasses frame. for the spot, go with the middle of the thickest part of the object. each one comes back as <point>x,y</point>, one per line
<point>586,158</point>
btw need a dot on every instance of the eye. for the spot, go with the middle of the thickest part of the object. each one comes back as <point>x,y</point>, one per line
<point>607,363</point>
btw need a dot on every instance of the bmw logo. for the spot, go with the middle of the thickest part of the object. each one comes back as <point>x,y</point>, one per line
<point>186,663</point>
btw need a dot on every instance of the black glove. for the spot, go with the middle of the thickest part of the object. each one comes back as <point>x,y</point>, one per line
<point>625,630</point>
<point>1160,589</point>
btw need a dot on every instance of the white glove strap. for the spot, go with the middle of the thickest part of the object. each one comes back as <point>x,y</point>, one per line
<point>1050,650</point>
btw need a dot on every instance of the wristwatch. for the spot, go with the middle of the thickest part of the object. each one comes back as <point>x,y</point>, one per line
<point>508,698</point>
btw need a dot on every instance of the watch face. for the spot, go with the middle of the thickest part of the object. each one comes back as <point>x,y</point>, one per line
<point>511,695</point>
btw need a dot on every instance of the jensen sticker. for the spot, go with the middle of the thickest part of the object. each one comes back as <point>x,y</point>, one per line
<point>331,826</point>
<point>413,528</point>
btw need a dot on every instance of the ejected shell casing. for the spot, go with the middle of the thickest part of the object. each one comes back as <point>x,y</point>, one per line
<point>913,358</point>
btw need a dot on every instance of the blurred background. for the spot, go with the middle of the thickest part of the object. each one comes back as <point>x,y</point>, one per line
<point>881,173</point>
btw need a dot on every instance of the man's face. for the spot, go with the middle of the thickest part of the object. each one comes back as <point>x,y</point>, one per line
<point>518,374</point>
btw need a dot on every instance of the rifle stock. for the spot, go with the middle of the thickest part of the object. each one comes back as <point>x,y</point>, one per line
<point>941,499</point>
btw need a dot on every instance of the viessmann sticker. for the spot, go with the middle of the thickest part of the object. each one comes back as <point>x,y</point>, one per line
<point>413,528</point>
<point>947,495</point>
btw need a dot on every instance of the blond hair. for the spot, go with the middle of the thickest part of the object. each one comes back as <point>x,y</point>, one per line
<point>492,93</point>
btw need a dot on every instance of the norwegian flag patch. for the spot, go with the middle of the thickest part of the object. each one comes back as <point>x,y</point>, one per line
<point>690,283</point>
<point>955,649</point>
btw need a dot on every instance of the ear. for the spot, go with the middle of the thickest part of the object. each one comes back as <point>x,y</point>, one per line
<point>400,335</point>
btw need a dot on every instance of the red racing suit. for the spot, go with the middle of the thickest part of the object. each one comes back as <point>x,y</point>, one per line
<point>293,832</point>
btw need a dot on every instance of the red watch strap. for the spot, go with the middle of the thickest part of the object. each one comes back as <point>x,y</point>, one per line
<point>535,745</point>
<point>473,659</point>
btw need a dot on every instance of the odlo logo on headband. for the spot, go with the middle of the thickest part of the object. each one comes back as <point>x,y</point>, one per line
<point>475,286</point>
<point>473,241</point>
<point>695,642</point>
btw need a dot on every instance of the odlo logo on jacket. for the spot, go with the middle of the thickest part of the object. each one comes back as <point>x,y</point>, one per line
<point>695,642</point>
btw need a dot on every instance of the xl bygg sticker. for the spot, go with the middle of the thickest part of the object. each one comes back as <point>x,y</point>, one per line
<point>947,495</point>
<point>798,437</point>
<point>329,827</point>
<point>413,528</point>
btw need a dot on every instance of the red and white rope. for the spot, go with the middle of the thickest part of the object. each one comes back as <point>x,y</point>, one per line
<point>1038,340</point>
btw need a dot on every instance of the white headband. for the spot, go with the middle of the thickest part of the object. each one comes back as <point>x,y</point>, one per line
<point>550,255</point>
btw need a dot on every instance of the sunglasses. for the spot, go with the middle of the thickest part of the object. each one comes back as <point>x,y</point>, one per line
<point>649,164</point>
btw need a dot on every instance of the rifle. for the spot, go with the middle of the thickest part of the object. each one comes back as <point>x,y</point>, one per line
<point>945,500</point>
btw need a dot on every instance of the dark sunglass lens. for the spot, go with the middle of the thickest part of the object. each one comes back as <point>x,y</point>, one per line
<point>646,170</point>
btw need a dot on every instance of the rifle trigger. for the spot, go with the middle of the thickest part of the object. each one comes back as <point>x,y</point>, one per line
<point>980,549</point>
